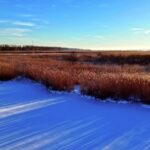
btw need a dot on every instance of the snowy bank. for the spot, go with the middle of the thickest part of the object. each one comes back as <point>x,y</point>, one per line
<point>33,118</point>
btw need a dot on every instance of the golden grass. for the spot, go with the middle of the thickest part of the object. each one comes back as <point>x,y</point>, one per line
<point>130,82</point>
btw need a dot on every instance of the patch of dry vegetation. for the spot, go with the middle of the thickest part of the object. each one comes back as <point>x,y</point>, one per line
<point>130,82</point>
<point>131,87</point>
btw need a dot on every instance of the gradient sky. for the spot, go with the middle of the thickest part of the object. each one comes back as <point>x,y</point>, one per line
<point>92,24</point>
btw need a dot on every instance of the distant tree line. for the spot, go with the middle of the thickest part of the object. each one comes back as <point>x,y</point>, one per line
<point>5,48</point>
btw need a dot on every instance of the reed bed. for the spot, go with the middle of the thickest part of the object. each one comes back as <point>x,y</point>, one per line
<point>103,81</point>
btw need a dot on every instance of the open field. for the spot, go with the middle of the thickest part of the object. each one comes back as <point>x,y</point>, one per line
<point>116,75</point>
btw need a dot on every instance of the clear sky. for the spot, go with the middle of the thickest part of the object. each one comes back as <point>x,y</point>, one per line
<point>92,24</point>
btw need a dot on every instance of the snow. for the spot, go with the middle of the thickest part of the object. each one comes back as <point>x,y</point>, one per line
<point>33,118</point>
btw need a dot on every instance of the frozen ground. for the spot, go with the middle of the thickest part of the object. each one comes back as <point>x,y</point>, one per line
<point>32,118</point>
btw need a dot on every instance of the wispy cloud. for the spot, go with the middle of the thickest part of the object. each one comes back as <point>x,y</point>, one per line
<point>33,23</point>
<point>138,30</point>
<point>88,36</point>
<point>26,15</point>
<point>39,21</point>
<point>96,36</point>
<point>28,24</point>
<point>15,32</point>
<point>18,23</point>
<point>147,32</point>
<point>99,37</point>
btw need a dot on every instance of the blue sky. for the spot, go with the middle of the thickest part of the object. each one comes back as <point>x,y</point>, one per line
<point>92,24</point>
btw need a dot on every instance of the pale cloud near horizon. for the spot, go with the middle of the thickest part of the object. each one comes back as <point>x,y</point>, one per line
<point>16,32</point>
<point>87,37</point>
<point>147,32</point>
<point>99,37</point>
<point>96,36</point>
<point>137,30</point>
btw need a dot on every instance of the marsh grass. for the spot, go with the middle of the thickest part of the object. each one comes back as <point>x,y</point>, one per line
<point>130,82</point>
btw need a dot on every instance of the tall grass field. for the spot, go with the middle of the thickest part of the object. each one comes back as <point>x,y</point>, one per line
<point>120,75</point>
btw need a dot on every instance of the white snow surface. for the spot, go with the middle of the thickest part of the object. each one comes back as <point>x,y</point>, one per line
<point>33,118</point>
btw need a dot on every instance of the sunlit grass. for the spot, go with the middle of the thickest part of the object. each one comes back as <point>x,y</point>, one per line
<point>130,82</point>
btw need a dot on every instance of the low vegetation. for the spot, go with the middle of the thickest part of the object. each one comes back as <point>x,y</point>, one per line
<point>119,78</point>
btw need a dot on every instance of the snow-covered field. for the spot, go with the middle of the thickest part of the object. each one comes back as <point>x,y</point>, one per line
<point>32,117</point>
